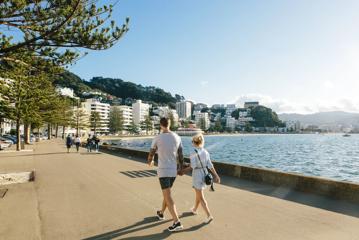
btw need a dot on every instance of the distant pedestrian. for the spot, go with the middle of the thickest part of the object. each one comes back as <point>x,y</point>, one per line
<point>77,142</point>
<point>96,141</point>
<point>200,164</point>
<point>89,144</point>
<point>168,147</point>
<point>68,142</point>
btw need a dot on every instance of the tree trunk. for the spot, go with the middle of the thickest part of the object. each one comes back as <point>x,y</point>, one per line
<point>63,132</point>
<point>18,144</point>
<point>27,133</point>
<point>48,131</point>
<point>77,126</point>
<point>57,130</point>
<point>1,130</point>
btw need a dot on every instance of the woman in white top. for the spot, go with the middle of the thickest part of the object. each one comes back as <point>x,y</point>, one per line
<point>198,174</point>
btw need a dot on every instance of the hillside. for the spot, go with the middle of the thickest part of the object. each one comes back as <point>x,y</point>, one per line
<point>70,80</point>
<point>323,118</point>
<point>123,89</point>
<point>118,88</point>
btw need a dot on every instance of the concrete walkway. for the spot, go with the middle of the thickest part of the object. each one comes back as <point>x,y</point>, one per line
<point>103,196</point>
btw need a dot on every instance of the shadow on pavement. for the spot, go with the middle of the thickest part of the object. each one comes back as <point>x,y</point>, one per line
<point>39,154</point>
<point>146,223</point>
<point>313,200</point>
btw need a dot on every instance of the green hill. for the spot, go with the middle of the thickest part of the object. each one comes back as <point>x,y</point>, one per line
<point>70,80</point>
<point>118,88</point>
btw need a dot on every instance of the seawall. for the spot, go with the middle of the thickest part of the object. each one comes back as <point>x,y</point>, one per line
<point>322,186</point>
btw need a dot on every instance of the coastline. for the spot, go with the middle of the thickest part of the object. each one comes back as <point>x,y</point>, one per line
<point>126,137</point>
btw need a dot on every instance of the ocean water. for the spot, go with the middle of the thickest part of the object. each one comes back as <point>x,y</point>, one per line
<point>325,155</point>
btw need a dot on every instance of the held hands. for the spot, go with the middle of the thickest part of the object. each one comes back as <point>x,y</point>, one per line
<point>151,163</point>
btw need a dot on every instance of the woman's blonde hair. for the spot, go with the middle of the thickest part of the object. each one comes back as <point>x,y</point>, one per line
<point>198,140</point>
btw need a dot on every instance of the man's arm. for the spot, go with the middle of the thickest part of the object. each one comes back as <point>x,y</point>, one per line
<point>151,155</point>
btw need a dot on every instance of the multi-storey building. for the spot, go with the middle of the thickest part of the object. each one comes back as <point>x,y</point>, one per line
<point>217,106</point>
<point>229,109</point>
<point>127,115</point>
<point>202,120</point>
<point>231,123</point>
<point>184,109</point>
<point>199,106</point>
<point>94,105</point>
<point>251,104</point>
<point>140,111</point>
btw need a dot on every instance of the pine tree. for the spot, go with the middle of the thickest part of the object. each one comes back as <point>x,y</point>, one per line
<point>80,119</point>
<point>56,29</point>
<point>95,121</point>
<point>116,120</point>
<point>147,124</point>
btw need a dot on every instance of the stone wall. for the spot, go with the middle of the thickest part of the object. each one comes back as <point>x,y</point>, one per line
<point>317,185</point>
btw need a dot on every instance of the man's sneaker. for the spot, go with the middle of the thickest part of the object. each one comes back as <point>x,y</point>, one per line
<point>175,227</point>
<point>160,215</point>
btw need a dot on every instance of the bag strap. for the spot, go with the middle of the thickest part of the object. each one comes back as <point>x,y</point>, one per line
<point>199,158</point>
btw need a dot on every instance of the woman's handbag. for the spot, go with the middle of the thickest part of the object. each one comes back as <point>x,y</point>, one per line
<point>208,178</point>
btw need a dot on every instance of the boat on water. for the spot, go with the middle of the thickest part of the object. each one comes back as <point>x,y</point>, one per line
<point>189,131</point>
<point>346,135</point>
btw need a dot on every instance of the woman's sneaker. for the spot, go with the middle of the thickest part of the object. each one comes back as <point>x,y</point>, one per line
<point>160,215</point>
<point>175,227</point>
<point>209,219</point>
<point>193,211</point>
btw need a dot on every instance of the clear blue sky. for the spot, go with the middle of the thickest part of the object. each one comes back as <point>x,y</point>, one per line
<point>294,56</point>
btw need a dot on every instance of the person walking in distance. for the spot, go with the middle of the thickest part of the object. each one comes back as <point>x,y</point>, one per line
<point>68,142</point>
<point>96,141</point>
<point>168,147</point>
<point>77,143</point>
<point>89,144</point>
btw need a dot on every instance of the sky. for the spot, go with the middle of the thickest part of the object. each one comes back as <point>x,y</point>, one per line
<point>292,56</point>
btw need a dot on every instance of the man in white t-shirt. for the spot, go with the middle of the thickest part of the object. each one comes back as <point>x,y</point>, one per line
<point>168,146</point>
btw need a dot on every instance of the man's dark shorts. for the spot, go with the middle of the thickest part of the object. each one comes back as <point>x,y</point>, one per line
<point>167,182</point>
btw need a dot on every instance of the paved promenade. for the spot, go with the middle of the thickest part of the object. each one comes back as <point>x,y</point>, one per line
<point>103,196</point>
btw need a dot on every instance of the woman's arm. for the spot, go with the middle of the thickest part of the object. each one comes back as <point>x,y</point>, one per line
<point>217,179</point>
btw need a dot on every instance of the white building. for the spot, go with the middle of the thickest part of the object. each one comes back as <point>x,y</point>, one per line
<point>292,126</point>
<point>94,105</point>
<point>242,121</point>
<point>162,112</point>
<point>217,106</point>
<point>229,109</point>
<point>5,126</point>
<point>230,123</point>
<point>202,118</point>
<point>251,104</point>
<point>64,91</point>
<point>127,115</point>
<point>184,109</point>
<point>199,106</point>
<point>140,111</point>
<point>243,112</point>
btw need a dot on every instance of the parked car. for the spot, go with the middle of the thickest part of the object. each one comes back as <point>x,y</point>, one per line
<point>4,145</point>
<point>10,137</point>
<point>8,141</point>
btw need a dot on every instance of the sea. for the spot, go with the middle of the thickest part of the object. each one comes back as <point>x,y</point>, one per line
<point>324,155</point>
